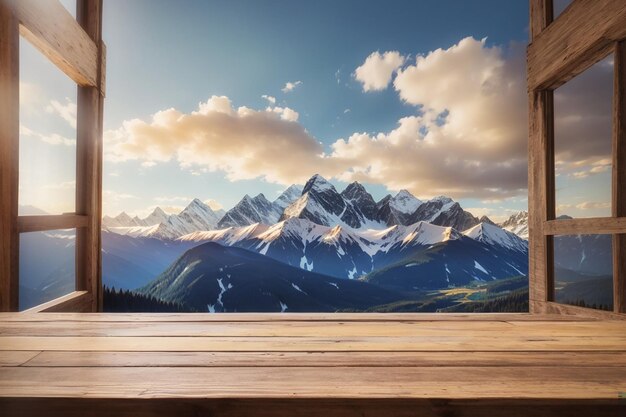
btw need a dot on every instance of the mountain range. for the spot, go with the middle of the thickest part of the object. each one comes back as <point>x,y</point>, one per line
<point>311,249</point>
<point>318,201</point>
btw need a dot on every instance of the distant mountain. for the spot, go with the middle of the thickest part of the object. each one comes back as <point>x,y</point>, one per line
<point>322,204</point>
<point>362,201</point>
<point>214,278</point>
<point>396,210</point>
<point>28,210</point>
<point>121,220</point>
<point>157,216</point>
<point>495,236</point>
<point>291,194</point>
<point>443,211</point>
<point>586,254</point>
<point>346,253</point>
<point>485,219</point>
<point>517,223</point>
<point>481,254</point>
<point>196,216</point>
<point>250,210</point>
<point>318,201</point>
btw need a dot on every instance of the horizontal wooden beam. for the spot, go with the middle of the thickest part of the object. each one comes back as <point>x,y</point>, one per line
<point>27,224</point>
<point>77,301</point>
<point>54,31</point>
<point>588,226</point>
<point>581,36</point>
<point>551,307</point>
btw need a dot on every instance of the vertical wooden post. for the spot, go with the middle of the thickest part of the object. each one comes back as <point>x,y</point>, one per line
<point>619,175</point>
<point>540,176</point>
<point>541,15</point>
<point>9,159</point>
<point>88,164</point>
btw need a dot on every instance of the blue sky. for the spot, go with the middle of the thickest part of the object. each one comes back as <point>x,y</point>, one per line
<point>165,54</point>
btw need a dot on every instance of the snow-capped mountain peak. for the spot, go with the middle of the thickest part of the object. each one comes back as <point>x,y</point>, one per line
<point>428,234</point>
<point>291,194</point>
<point>405,202</point>
<point>494,235</point>
<point>319,184</point>
<point>251,210</point>
<point>121,220</point>
<point>518,224</point>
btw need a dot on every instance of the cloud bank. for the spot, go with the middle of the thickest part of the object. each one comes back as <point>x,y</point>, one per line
<point>467,138</point>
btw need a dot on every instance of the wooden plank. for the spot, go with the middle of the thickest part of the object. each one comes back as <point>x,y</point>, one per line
<point>17,358</point>
<point>310,359</point>
<point>306,382</point>
<point>27,224</point>
<point>9,159</point>
<point>541,15</point>
<point>74,301</point>
<point>619,176</point>
<point>459,343</point>
<point>285,317</point>
<point>592,225</point>
<point>344,407</point>
<point>53,30</point>
<point>89,165</point>
<point>582,35</point>
<point>312,329</point>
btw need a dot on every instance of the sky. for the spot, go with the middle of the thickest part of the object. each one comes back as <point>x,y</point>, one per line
<point>215,100</point>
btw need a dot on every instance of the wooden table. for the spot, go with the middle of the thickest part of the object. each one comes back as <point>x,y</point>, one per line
<point>311,364</point>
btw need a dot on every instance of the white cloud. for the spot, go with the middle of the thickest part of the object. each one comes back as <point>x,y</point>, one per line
<point>244,143</point>
<point>51,139</point>
<point>271,100</point>
<point>66,111</point>
<point>468,137</point>
<point>290,86</point>
<point>346,111</point>
<point>285,113</point>
<point>377,70</point>
<point>593,205</point>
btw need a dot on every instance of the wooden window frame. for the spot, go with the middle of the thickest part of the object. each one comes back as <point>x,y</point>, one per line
<point>76,47</point>
<point>585,33</point>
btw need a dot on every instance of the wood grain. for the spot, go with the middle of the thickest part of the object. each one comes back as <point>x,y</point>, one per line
<point>551,307</point>
<point>312,329</point>
<point>619,176</point>
<point>311,359</point>
<point>581,36</point>
<point>541,15</point>
<point>540,192</point>
<point>198,361</point>
<point>457,343</point>
<point>305,382</point>
<point>89,163</point>
<point>9,159</point>
<point>74,301</point>
<point>53,30</point>
<point>591,225</point>
<point>27,224</point>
